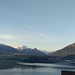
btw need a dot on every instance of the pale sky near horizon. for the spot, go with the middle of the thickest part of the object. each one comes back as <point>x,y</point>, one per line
<point>44,24</point>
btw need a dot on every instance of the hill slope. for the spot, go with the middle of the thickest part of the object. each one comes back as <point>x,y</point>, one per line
<point>68,50</point>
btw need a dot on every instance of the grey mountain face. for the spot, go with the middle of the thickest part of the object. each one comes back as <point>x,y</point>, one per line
<point>6,48</point>
<point>34,51</point>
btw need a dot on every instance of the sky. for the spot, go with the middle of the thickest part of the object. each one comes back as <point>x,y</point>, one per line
<point>43,24</point>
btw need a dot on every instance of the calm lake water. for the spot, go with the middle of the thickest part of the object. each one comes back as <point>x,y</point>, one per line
<point>12,68</point>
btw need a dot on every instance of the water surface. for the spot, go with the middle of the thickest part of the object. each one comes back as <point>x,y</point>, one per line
<point>12,68</point>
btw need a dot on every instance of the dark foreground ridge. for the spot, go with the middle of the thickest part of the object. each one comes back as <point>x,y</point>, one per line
<point>67,73</point>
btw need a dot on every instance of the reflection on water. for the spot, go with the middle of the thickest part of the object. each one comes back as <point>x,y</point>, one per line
<point>14,68</point>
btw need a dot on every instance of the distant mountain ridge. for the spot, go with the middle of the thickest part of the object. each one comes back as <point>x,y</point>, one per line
<point>21,47</point>
<point>47,52</point>
<point>23,50</point>
<point>6,48</point>
<point>26,50</point>
<point>68,50</point>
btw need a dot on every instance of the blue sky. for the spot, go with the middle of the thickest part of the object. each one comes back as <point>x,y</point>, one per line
<point>44,24</point>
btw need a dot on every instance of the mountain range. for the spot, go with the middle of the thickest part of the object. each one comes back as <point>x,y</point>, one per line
<point>68,50</point>
<point>23,50</point>
<point>33,51</point>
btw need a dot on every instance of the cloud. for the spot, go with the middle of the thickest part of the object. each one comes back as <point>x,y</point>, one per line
<point>6,36</point>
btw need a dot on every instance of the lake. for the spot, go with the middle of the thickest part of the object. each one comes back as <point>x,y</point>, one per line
<point>12,68</point>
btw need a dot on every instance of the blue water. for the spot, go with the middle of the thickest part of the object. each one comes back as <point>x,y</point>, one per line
<point>11,68</point>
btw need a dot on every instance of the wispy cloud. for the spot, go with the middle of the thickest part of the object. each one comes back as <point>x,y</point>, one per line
<point>37,36</point>
<point>6,36</point>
